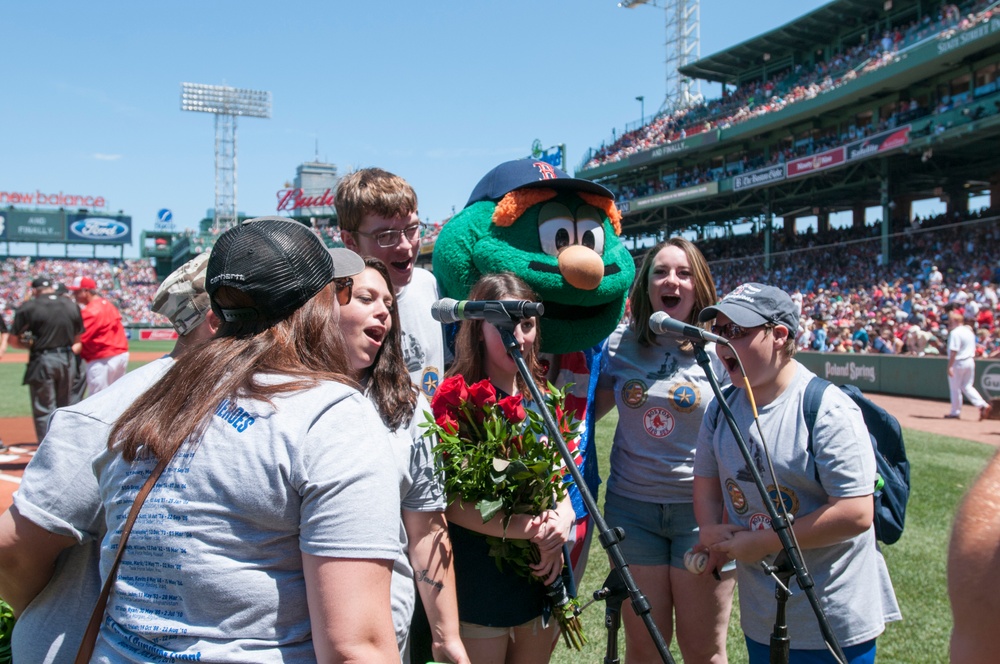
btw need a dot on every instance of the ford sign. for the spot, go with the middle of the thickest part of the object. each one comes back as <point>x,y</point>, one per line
<point>99,229</point>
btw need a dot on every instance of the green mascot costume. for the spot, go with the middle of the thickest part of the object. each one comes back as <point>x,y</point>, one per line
<point>561,235</point>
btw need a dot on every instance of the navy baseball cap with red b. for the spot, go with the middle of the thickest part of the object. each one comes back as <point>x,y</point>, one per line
<point>279,263</point>
<point>522,173</point>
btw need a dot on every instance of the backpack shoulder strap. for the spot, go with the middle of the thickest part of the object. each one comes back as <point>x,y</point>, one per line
<point>726,393</point>
<point>810,404</point>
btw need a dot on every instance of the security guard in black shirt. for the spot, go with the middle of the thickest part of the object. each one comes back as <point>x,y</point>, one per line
<point>47,326</point>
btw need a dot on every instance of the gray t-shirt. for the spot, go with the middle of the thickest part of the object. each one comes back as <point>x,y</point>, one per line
<point>420,491</point>
<point>851,579</point>
<point>59,493</point>
<point>423,337</point>
<point>661,393</point>
<point>213,569</point>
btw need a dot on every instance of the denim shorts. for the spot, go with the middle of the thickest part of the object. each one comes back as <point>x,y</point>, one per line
<point>863,653</point>
<point>655,534</point>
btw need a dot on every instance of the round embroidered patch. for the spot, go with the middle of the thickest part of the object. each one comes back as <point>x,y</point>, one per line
<point>634,393</point>
<point>788,497</point>
<point>760,522</point>
<point>658,422</point>
<point>429,381</point>
<point>684,397</point>
<point>736,497</point>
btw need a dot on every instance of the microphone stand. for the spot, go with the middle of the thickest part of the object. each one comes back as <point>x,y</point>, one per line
<point>620,581</point>
<point>779,524</point>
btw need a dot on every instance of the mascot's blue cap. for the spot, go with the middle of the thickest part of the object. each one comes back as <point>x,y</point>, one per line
<point>522,173</point>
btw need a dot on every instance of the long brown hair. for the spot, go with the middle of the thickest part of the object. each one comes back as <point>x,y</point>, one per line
<point>390,387</point>
<point>470,350</point>
<point>303,346</point>
<point>704,289</point>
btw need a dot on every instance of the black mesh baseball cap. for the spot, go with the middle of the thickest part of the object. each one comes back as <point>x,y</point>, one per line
<point>278,262</point>
<point>522,173</point>
<point>41,282</point>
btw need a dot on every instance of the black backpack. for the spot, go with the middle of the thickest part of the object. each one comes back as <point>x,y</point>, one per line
<point>892,484</point>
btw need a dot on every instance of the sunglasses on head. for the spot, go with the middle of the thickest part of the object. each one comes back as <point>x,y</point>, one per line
<point>345,287</point>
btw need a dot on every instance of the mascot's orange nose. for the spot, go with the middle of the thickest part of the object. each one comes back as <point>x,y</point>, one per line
<point>581,267</point>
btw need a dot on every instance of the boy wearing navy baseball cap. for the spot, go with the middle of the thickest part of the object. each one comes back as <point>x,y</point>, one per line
<point>826,487</point>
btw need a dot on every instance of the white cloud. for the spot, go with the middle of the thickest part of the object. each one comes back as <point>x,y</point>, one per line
<point>100,156</point>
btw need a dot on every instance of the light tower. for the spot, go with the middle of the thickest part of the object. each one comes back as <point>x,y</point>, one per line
<point>683,37</point>
<point>226,104</point>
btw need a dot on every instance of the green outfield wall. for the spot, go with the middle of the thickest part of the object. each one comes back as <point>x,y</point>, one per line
<point>903,375</point>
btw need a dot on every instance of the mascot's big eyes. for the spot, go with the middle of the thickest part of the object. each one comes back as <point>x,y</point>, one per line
<point>557,228</point>
<point>590,228</point>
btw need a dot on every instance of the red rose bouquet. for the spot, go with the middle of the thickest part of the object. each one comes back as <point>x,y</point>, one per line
<point>495,453</point>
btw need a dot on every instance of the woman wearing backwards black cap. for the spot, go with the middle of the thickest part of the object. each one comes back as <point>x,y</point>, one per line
<point>270,535</point>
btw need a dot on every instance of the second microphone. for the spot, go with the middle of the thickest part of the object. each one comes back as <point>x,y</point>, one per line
<point>447,310</point>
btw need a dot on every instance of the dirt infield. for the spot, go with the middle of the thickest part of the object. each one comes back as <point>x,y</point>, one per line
<point>133,356</point>
<point>920,414</point>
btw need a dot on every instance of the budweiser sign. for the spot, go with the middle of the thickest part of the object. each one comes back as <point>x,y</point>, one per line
<point>297,199</point>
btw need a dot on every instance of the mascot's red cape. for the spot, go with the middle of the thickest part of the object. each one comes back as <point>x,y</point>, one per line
<point>561,235</point>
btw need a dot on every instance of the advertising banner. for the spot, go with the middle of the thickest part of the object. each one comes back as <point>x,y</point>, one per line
<point>691,142</point>
<point>86,228</point>
<point>758,178</point>
<point>675,196</point>
<point>157,334</point>
<point>815,163</point>
<point>882,142</point>
<point>24,226</point>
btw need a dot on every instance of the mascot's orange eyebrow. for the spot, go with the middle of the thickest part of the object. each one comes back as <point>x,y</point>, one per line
<point>513,205</point>
<point>606,204</point>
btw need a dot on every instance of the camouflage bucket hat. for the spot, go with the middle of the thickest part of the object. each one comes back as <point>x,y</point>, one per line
<point>182,297</point>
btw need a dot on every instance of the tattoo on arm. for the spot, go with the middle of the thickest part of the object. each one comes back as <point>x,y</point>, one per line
<point>423,578</point>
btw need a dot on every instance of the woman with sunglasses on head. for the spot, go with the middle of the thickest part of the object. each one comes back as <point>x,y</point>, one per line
<point>661,394</point>
<point>501,612</point>
<point>271,533</point>
<point>370,325</point>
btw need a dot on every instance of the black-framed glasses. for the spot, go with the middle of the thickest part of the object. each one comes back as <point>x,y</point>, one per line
<point>386,239</point>
<point>732,331</point>
<point>345,288</point>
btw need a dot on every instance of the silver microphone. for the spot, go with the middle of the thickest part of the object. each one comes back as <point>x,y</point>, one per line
<point>447,310</point>
<point>662,323</point>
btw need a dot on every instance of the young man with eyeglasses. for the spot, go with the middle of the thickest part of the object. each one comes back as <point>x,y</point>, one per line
<point>377,213</point>
<point>826,486</point>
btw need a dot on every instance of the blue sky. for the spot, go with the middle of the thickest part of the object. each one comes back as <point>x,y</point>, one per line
<point>438,92</point>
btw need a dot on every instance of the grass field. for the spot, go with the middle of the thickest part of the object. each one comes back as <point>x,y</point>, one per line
<point>942,470</point>
<point>15,402</point>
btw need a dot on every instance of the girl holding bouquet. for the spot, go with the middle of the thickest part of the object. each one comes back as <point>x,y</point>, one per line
<point>500,610</point>
<point>370,325</point>
<point>662,394</point>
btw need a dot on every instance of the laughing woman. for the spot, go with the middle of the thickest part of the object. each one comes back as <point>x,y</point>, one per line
<point>661,395</point>
<point>370,325</point>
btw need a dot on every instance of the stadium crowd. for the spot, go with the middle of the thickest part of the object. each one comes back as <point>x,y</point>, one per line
<point>850,302</point>
<point>846,295</point>
<point>129,284</point>
<point>756,98</point>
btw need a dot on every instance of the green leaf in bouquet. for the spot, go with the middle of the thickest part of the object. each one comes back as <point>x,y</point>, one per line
<point>489,508</point>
